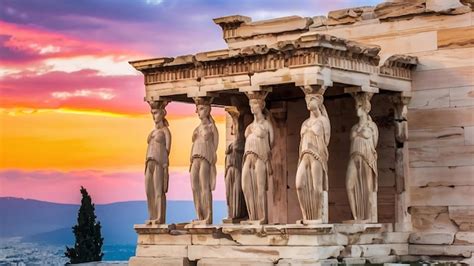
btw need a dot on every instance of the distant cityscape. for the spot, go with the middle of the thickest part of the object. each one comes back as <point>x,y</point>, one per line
<point>34,232</point>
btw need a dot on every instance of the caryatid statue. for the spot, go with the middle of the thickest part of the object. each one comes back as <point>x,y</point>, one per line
<point>236,209</point>
<point>312,171</point>
<point>203,161</point>
<point>156,166</point>
<point>257,159</point>
<point>361,176</point>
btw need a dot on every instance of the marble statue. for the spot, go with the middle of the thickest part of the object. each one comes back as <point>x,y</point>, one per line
<point>236,209</point>
<point>203,161</point>
<point>361,175</point>
<point>312,171</point>
<point>257,159</point>
<point>156,166</point>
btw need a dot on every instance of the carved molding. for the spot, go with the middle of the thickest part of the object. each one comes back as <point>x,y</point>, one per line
<point>308,50</point>
<point>399,66</point>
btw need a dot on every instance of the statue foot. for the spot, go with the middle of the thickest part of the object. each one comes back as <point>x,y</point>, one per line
<point>149,222</point>
<point>157,222</point>
<point>356,221</point>
<point>233,220</point>
<point>253,222</point>
<point>200,222</point>
<point>309,222</point>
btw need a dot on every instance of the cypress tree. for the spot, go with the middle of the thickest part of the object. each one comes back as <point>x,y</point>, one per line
<point>88,246</point>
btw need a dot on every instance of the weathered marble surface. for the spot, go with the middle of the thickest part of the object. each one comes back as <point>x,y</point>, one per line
<point>157,164</point>
<point>362,170</point>
<point>257,161</point>
<point>203,161</point>
<point>211,244</point>
<point>312,172</point>
<point>236,207</point>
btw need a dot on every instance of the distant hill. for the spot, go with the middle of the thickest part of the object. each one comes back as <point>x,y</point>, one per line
<point>51,223</point>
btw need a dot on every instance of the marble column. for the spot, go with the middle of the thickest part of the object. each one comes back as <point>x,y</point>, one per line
<point>203,161</point>
<point>312,171</point>
<point>402,196</point>
<point>257,168</point>
<point>236,208</point>
<point>362,173</point>
<point>157,163</point>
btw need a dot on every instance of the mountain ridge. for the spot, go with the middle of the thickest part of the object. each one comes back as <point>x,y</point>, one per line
<point>51,223</point>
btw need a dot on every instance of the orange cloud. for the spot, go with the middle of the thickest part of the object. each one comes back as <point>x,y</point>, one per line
<point>68,140</point>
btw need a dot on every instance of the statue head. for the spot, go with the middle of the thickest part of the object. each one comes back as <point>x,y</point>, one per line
<point>363,105</point>
<point>158,111</point>
<point>256,105</point>
<point>314,101</point>
<point>203,107</point>
<point>158,114</point>
<point>257,101</point>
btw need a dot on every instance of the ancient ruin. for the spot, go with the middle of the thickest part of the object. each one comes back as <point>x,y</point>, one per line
<point>351,140</point>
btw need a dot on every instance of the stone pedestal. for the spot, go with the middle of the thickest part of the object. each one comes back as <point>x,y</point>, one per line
<point>233,244</point>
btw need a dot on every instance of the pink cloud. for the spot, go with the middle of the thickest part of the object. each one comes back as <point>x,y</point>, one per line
<point>85,90</point>
<point>104,187</point>
<point>26,44</point>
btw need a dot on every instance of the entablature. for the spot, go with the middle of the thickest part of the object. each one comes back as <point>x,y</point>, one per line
<point>311,59</point>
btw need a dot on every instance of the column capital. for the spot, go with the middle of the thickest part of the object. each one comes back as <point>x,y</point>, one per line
<point>158,104</point>
<point>204,100</point>
<point>156,98</point>
<point>401,98</point>
<point>202,94</point>
<point>313,89</point>
<point>356,89</point>
<point>256,88</point>
<point>259,95</point>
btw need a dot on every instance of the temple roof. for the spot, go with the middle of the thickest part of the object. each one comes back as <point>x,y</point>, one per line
<point>237,28</point>
<point>356,50</point>
<point>294,50</point>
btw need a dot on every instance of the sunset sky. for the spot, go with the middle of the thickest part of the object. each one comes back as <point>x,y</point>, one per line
<point>71,107</point>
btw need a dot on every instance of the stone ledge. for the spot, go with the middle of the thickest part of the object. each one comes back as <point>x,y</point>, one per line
<point>154,228</point>
<point>431,238</point>
<point>442,250</point>
<point>162,251</point>
<point>196,252</point>
<point>375,250</point>
<point>270,235</point>
<point>164,239</point>
<point>234,262</point>
<point>153,261</point>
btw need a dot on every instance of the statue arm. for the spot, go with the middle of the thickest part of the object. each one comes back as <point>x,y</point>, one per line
<point>215,137</point>
<point>168,140</point>
<point>327,130</point>
<point>353,131</point>
<point>271,133</point>
<point>248,131</point>
<point>195,134</point>
<point>228,152</point>
<point>375,139</point>
<point>324,112</point>
<point>375,136</point>
<point>271,138</point>
<point>300,149</point>
<point>150,136</point>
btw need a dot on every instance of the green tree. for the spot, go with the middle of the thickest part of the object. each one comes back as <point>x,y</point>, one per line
<point>88,246</point>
